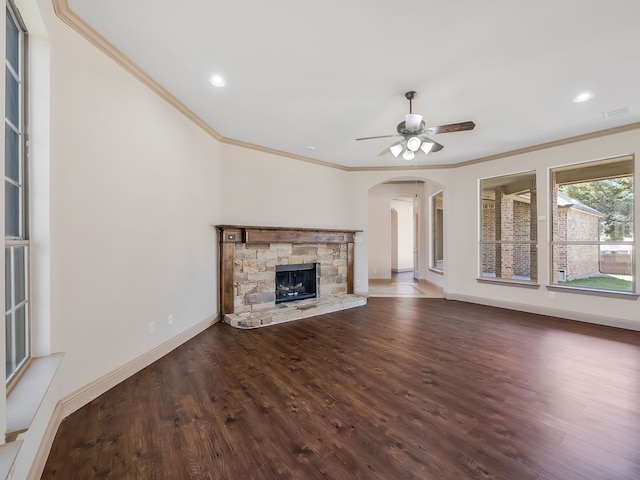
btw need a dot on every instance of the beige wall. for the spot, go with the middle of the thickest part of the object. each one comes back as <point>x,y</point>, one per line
<point>135,188</point>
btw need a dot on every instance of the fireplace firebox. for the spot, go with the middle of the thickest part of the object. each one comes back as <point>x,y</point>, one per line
<point>296,282</point>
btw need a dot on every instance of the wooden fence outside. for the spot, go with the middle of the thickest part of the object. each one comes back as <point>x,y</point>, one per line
<point>616,263</point>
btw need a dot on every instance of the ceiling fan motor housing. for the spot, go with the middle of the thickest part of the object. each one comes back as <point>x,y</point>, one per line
<point>404,131</point>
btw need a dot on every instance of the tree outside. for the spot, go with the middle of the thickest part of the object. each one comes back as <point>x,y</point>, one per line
<point>614,198</point>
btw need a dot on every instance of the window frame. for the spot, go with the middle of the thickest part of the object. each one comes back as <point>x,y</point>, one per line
<point>517,177</point>
<point>554,284</point>
<point>16,366</point>
<point>437,231</point>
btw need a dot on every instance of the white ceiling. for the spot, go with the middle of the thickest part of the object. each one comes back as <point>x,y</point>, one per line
<point>323,73</point>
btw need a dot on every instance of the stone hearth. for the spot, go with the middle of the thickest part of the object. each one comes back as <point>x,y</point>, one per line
<point>287,312</point>
<point>248,260</point>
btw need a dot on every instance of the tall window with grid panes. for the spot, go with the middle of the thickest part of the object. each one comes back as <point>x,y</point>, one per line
<point>16,227</point>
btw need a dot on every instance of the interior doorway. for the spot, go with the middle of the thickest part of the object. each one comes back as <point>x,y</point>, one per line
<point>403,238</point>
<point>396,217</point>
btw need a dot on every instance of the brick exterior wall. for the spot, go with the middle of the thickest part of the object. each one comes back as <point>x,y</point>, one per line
<point>515,224</point>
<point>522,231</point>
<point>488,233</point>
<point>570,224</point>
<point>582,260</point>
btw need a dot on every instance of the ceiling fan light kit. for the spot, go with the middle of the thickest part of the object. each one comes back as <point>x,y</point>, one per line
<point>415,131</point>
<point>413,122</point>
<point>426,147</point>
<point>396,149</point>
<point>413,143</point>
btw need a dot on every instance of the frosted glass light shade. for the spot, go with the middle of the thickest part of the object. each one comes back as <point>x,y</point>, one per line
<point>413,144</point>
<point>426,147</point>
<point>408,155</point>
<point>413,121</point>
<point>396,149</point>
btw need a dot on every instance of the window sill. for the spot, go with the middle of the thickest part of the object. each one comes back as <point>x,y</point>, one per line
<point>508,281</point>
<point>8,455</point>
<point>26,396</point>
<point>593,291</point>
<point>436,270</point>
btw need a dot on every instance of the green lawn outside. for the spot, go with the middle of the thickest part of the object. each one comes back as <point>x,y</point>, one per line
<point>601,283</point>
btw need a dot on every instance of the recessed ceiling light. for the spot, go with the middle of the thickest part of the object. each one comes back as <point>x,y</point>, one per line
<point>217,81</point>
<point>311,147</point>
<point>583,97</point>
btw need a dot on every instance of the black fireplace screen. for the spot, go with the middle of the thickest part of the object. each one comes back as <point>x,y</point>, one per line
<point>295,282</point>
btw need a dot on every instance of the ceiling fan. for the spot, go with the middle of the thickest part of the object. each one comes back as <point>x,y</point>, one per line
<point>415,132</point>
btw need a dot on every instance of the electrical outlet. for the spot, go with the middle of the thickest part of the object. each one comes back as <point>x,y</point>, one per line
<point>170,319</point>
<point>152,328</point>
<point>552,295</point>
<point>189,311</point>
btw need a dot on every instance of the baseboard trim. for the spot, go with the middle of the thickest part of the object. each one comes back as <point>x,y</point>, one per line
<point>380,280</point>
<point>552,312</point>
<point>40,460</point>
<point>86,394</point>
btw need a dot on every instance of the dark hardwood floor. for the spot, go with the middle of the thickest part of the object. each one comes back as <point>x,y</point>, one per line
<point>403,388</point>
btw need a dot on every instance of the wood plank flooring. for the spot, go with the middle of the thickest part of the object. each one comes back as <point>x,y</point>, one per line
<point>402,388</point>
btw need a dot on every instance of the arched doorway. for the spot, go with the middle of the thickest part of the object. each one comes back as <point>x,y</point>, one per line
<point>398,237</point>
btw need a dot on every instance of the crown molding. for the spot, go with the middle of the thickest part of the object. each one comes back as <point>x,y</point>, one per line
<point>555,143</point>
<point>64,13</point>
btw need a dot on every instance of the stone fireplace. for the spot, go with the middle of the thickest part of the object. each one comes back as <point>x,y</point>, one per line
<point>271,274</point>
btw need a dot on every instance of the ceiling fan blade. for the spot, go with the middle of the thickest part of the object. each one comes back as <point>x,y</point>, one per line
<point>436,146</point>
<point>379,136</point>
<point>453,127</point>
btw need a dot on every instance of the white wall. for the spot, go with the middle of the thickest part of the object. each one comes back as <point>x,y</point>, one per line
<point>269,190</point>
<point>134,193</point>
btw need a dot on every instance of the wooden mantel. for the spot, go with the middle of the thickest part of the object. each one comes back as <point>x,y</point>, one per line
<point>230,235</point>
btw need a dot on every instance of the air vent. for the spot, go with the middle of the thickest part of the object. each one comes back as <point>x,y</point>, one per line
<point>615,113</point>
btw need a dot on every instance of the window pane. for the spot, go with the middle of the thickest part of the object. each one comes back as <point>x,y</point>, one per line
<point>514,261</point>
<point>13,43</point>
<point>11,154</point>
<point>593,266</point>
<point>16,256</point>
<point>19,261</point>
<point>7,279</point>
<point>11,210</point>
<point>21,334</point>
<point>592,203</point>
<point>437,244</point>
<point>12,102</point>
<point>488,258</point>
<point>508,216</point>
<point>8,327</point>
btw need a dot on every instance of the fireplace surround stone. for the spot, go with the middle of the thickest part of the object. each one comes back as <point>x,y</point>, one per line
<point>248,259</point>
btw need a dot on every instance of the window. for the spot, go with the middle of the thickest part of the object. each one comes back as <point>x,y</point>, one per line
<point>592,210</point>
<point>16,205</point>
<point>437,231</point>
<point>509,231</point>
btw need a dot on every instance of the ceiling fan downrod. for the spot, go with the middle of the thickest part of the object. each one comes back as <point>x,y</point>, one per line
<point>410,96</point>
